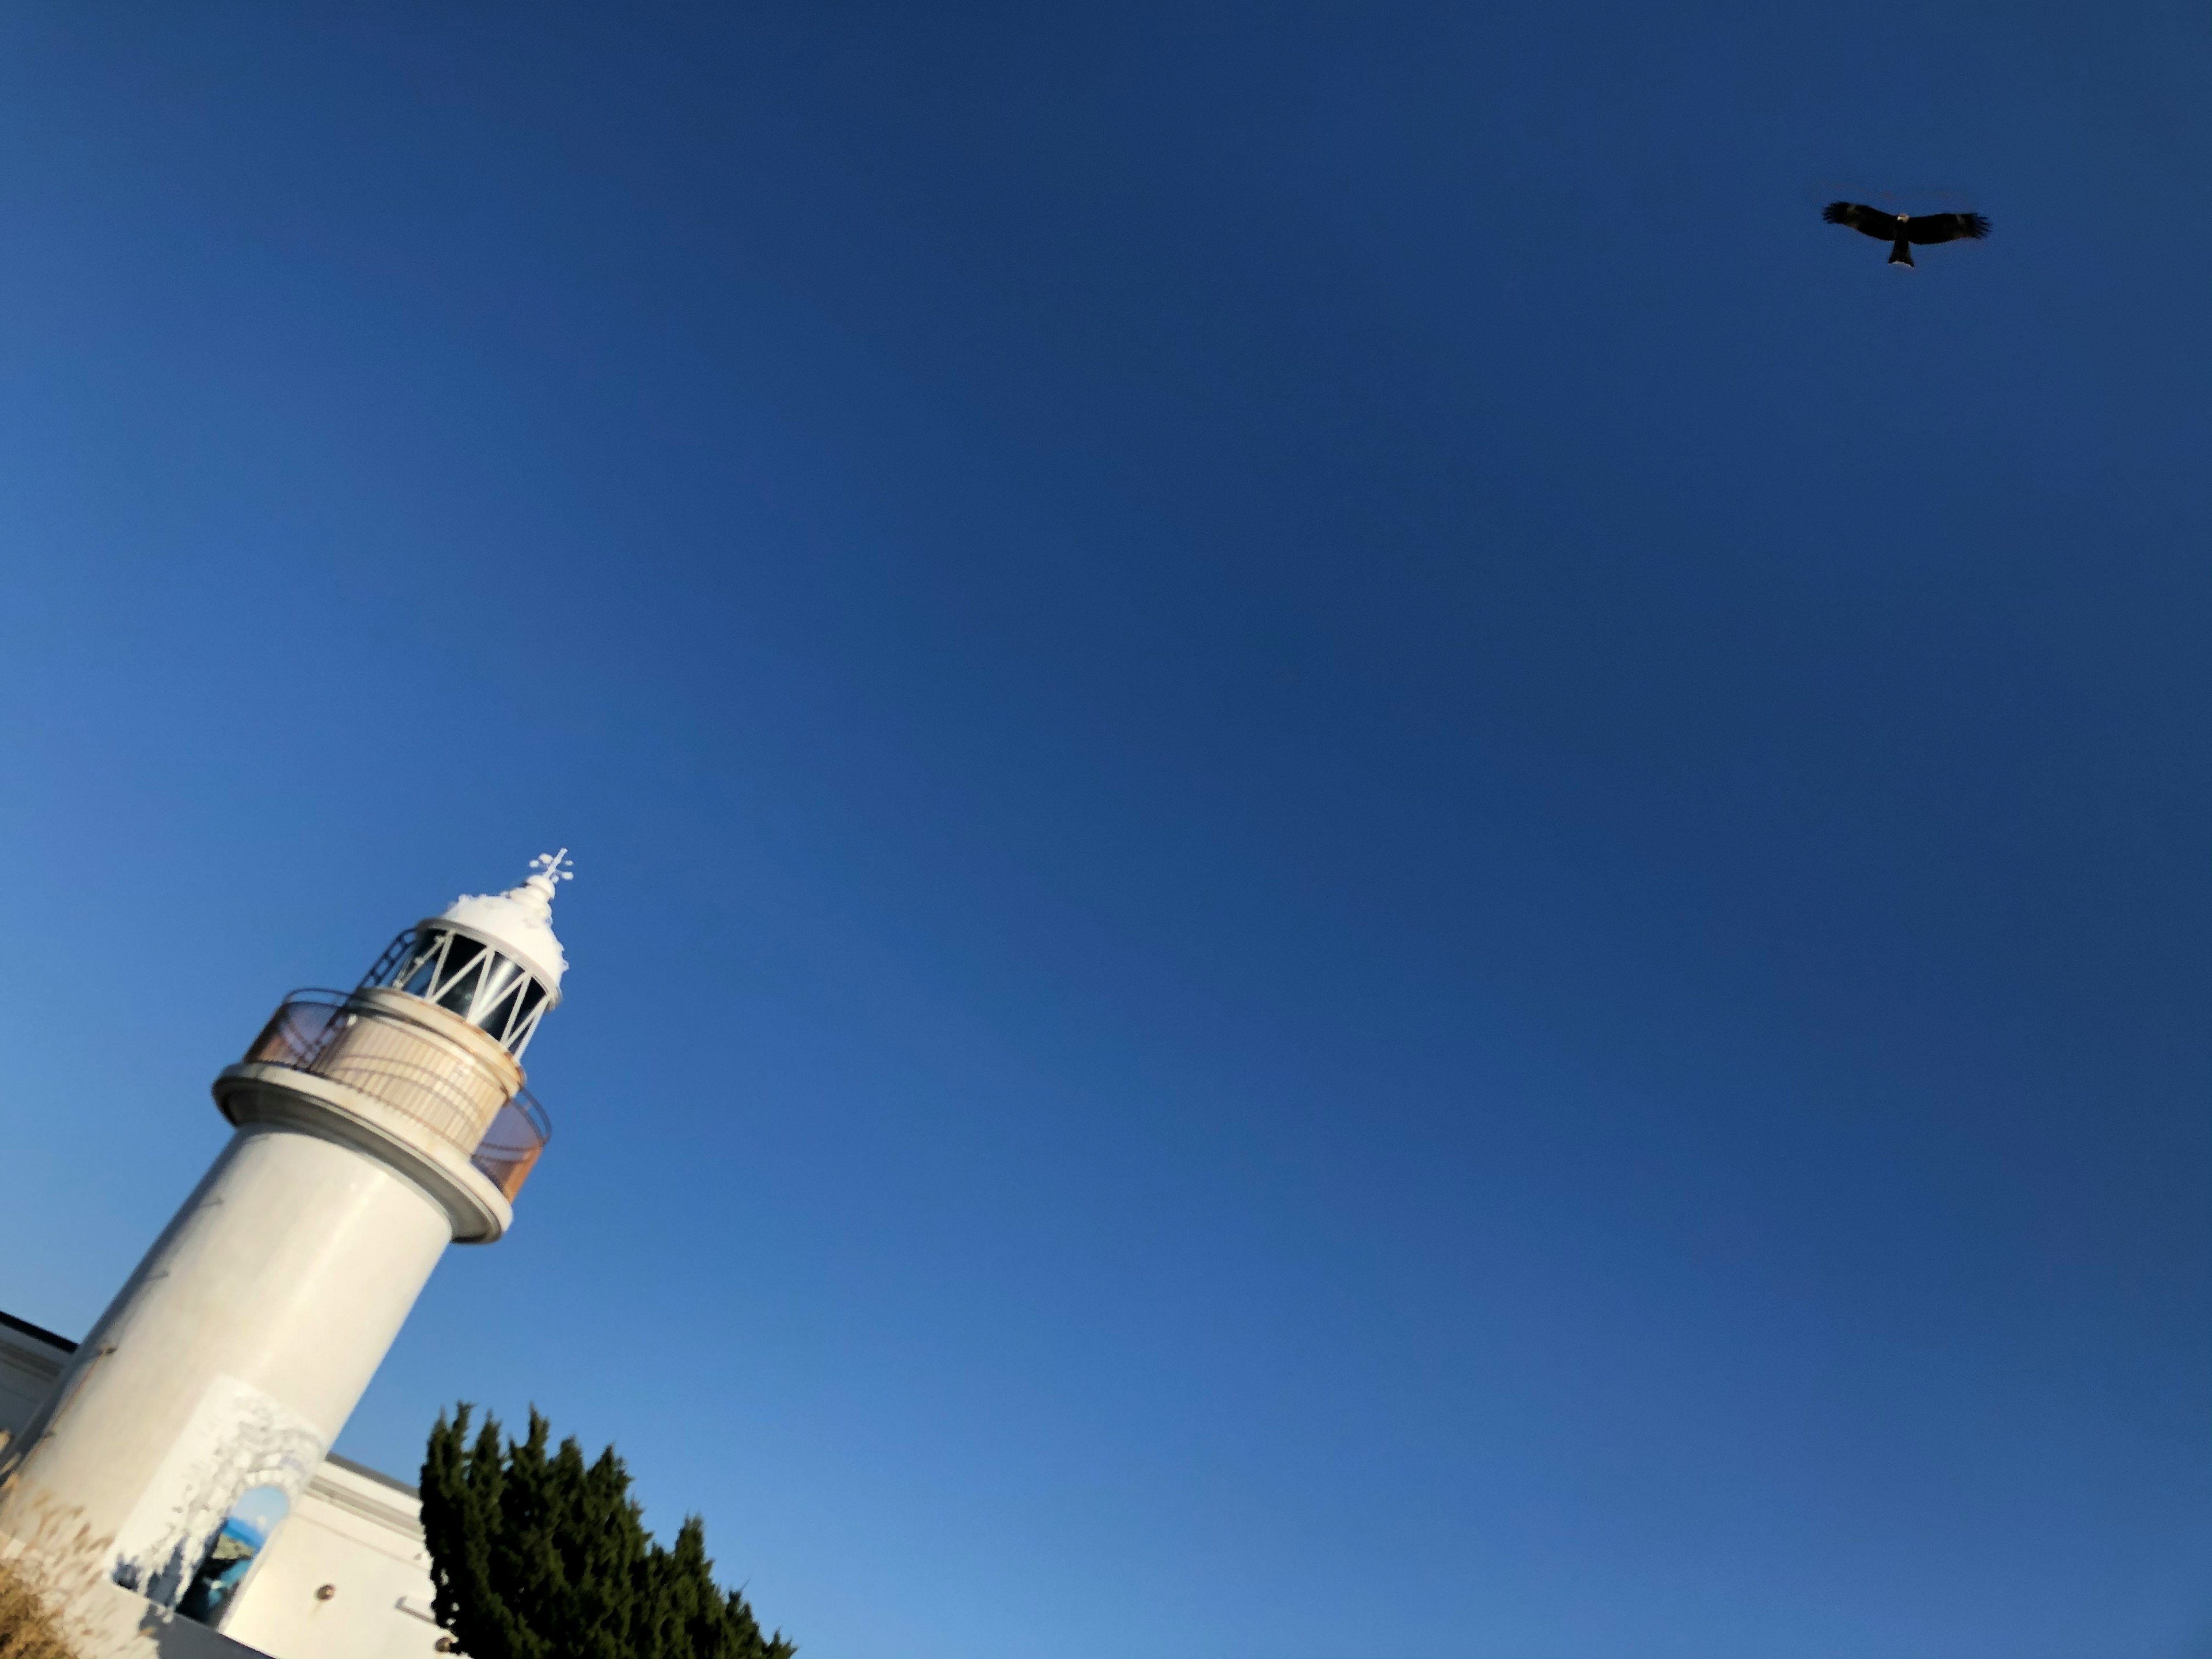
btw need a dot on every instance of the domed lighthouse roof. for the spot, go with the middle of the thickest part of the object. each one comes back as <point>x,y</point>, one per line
<point>520,922</point>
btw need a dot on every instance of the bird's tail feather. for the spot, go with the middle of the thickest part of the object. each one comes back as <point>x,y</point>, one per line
<point>1900,253</point>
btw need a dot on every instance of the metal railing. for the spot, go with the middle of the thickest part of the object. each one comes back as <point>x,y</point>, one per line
<point>416,1069</point>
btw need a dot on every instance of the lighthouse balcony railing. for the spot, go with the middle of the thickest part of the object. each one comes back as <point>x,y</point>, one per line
<point>424,1074</point>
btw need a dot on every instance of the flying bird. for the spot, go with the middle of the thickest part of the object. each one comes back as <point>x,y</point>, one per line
<point>1900,230</point>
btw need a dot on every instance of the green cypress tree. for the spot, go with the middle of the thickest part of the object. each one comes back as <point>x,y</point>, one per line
<point>539,1556</point>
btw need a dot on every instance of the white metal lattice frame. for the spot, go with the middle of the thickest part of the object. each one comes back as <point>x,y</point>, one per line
<point>485,987</point>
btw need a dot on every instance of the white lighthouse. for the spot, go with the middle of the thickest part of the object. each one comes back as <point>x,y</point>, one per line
<point>373,1128</point>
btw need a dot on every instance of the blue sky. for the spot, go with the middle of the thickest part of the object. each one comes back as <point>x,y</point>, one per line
<point>1365,864</point>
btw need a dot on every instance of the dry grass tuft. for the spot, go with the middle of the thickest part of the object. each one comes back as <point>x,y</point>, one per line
<point>38,1576</point>
<point>29,1629</point>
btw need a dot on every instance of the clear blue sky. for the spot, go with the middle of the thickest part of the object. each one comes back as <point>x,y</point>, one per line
<point>1367,866</point>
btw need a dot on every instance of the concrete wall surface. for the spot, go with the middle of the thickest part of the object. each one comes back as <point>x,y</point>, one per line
<point>125,1625</point>
<point>353,1530</point>
<point>229,1362</point>
<point>359,1534</point>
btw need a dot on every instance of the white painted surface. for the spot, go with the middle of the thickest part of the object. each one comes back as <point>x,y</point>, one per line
<point>124,1625</point>
<point>283,1279</point>
<point>354,1530</point>
<point>282,1097</point>
<point>360,1534</point>
<point>520,922</point>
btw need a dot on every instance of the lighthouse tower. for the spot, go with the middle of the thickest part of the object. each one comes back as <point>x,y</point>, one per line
<point>373,1128</point>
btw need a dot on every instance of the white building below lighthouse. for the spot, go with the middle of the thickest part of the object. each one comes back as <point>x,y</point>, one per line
<point>347,1577</point>
<point>188,1433</point>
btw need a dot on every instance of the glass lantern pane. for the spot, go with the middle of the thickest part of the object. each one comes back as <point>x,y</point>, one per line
<point>519,1030</point>
<point>464,967</point>
<point>496,1000</point>
<point>421,969</point>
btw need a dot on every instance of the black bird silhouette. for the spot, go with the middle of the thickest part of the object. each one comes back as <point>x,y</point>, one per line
<point>1900,230</point>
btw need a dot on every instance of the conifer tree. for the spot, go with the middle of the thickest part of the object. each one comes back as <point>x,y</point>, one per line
<point>542,1555</point>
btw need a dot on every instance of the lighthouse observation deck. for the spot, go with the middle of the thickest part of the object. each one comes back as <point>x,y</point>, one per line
<point>372,1042</point>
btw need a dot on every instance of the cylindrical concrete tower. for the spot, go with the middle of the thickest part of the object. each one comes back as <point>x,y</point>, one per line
<point>374,1128</point>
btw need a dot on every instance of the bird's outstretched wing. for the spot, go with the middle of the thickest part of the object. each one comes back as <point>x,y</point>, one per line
<point>1870,221</point>
<point>1947,228</point>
